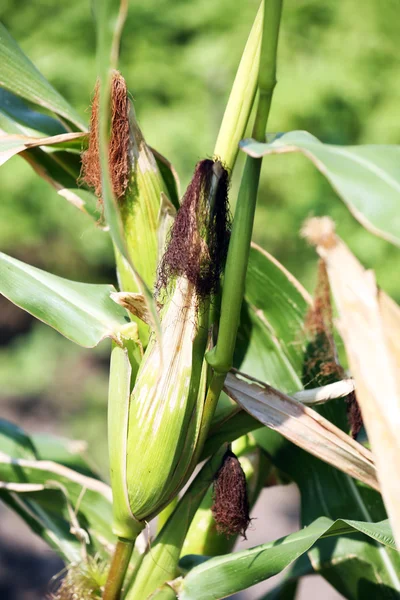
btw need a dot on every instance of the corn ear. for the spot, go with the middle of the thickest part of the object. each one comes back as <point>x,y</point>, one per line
<point>166,406</point>
<point>161,421</point>
<point>202,537</point>
<point>137,184</point>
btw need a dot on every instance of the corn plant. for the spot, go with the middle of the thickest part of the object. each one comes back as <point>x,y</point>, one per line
<point>219,357</point>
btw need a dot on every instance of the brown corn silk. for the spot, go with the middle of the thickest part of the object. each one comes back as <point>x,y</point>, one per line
<point>119,144</point>
<point>198,241</point>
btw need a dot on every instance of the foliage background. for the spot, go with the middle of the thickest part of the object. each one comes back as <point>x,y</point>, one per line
<point>338,77</point>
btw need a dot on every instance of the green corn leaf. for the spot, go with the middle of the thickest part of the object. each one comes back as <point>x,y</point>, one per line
<point>17,117</point>
<point>52,498</point>
<point>54,531</point>
<point>271,339</point>
<point>170,177</point>
<point>240,103</point>
<point>287,588</point>
<point>355,567</point>
<point>366,177</point>
<point>19,76</point>
<point>61,170</point>
<point>70,453</point>
<point>221,576</point>
<point>11,144</point>
<point>84,313</point>
<point>270,343</point>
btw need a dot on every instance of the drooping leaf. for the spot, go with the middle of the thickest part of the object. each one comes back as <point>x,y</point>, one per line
<point>16,143</point>
<point>221,576</point>
<point>356,567</point>
<point>54,531</point>
<point>304,427</point>
<point>68,509</point>
<point>84,313</point>
<point>17,117</point>
<point>61,170</point>
<point>287,587</point>
<point>70,453</point>
<point>366,177</point>
<point>19,76</point>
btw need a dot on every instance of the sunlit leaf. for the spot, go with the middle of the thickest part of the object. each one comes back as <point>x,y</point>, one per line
<point>366,177</point>
<point>16,143</point>
<point>224,575</point>
<point>84,313</point>
<point>21,77</point>
<point>371,353</point>
<point>61,170</point>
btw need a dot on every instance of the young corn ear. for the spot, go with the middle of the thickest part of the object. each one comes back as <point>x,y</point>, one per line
<point>164,415</point>
<point>137,184</point>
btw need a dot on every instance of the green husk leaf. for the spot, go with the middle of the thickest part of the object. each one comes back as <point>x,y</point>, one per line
<point>161,561</point>
<point>110,18</point>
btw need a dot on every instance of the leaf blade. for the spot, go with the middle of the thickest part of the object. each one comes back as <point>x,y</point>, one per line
<point>221,576</point>
<point>19,76</point>
<point>366,177</point>
<point>84,313</point>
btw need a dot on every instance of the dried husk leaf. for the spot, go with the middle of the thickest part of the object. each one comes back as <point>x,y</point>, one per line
<point>303,426</point>
<point>369,324</point>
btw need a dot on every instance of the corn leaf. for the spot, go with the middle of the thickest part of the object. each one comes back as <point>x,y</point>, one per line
<point>287,588</point>
<point>84,313</point>
<point>61,170</point>
<point>54,531</point>
<point>221,576</point>
<point>271,339</point>
<point>366,177</point>
<point>16,143</point>
<point>68,509</point>
<point>357,568</point>
<point>304,427</point>
<point>19,76</point>
<point>17,117</point>
<point>70,453</point>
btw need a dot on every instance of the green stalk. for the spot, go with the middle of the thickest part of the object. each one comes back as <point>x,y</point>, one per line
<point>118,568</point>
<point>221,357</point>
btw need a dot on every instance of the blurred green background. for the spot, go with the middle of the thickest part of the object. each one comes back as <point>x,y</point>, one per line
<point>338,77</point>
